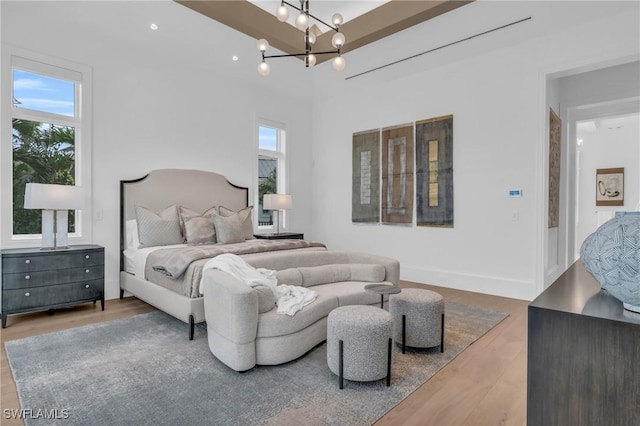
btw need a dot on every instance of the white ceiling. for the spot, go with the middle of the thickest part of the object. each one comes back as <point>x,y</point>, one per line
<point>608,123</point>
<point>191,39</point>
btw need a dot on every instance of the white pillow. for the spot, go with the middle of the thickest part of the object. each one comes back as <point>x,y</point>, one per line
<point>132,234</point>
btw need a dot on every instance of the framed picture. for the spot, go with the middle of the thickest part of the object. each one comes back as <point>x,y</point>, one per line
<point>555,147</point>
<point>610,187</point>
<point>434,172</point>
<point>365,183</point>
<point>397,175</point>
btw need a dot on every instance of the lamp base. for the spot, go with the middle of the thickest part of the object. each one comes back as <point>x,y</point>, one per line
<point>55,225</point>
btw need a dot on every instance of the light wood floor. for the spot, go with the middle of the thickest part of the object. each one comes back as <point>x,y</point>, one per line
<point>484,385</point>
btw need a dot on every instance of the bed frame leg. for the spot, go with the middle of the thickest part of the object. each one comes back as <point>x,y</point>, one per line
<point>192,325</point>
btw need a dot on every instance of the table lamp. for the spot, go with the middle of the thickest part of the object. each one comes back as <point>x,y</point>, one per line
<point>276,202</point>
<point>55,202</point>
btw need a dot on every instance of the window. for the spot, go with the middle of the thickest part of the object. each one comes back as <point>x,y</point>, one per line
<point>44,106</point>
<point>271,169</point>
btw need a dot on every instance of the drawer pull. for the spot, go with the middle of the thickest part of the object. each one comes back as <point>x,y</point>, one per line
<point>27,261</point>
<point>87,271</point>
<point>27,294</point>
<point>86,286</point>
<point>27,277</point>
<point>87,257</point>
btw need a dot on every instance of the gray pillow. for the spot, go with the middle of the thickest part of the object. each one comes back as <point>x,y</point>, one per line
<point>245,218</point>
<point>186,213</point>
<point>199,230</point>
<point>159,229</point>
<point>228,229</point>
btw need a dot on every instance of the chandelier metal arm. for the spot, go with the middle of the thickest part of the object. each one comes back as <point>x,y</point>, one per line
<point>309,14</point>
<point>300,54</point>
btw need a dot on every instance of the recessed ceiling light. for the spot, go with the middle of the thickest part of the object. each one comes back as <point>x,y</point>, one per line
<point>234,58</point>
<point>153,26</point>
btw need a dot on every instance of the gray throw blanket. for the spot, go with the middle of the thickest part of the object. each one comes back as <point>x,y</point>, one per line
<point>176,261</point>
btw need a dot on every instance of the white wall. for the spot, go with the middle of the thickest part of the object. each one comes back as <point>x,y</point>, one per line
<point>497,97</point>
<point>152,111</point>
<point>601,148</point>
<point>167,103</point>
<point>591,95</point>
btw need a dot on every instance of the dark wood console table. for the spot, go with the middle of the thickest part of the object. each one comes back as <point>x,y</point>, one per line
<point>583,356</point>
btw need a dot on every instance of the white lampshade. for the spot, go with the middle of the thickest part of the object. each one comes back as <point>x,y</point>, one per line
<point>338,40</point>
<point>53,197</point>
<point>312,37</point>
<point>262,45</point>
<point>311,60</point>
<point>302,22</point>
<point>282,13</point>
<point>336,19</point>
<point>338,63</point>
<point>264,69</point>
<point>276,202</point>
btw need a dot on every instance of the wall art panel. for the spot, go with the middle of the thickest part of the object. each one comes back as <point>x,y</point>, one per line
<point>434,172</point>
<point>365,185</point>
<point>555,151</point>
<point>397,174</point>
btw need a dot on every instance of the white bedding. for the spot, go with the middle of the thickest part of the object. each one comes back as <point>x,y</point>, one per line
<point>135,259</point>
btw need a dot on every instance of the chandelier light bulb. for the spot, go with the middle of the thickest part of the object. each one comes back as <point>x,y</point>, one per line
<point>282,13</point>
<point>262,45</point>
<point>312,37</point>
<point>337,19</point>
<point>311,60</point>
<point>338,40</point>
<point>302,22</point>
<point>338,63</point>
<point>264,69</point>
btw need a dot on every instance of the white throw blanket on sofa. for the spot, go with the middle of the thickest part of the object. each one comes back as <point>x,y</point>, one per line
<point>289,298</point>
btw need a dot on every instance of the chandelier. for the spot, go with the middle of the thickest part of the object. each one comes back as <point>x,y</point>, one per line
<point>302,22</point>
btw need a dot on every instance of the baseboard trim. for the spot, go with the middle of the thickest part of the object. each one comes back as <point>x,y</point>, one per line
<point>497,286</point>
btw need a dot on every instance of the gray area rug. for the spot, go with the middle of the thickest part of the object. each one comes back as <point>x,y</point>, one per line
<point>143,371</point>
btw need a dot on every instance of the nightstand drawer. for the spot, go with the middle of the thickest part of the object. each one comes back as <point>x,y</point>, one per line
<point>15,300</point>
<point>35,262</point>
<point>47,278</point>
<point>49,261</point>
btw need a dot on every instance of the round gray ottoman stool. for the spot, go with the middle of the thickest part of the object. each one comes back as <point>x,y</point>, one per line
<point>359,343</point>
<point>418,317</point>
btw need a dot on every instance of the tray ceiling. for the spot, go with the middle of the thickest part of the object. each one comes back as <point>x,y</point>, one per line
<point>381,21</point>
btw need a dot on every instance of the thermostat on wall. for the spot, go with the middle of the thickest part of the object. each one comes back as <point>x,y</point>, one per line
<point>515,193</point>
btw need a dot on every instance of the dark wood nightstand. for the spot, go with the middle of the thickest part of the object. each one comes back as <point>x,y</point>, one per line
<point>281,236</point>
<point>34,279</point>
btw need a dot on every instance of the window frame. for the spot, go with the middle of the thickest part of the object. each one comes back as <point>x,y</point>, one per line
<point>281,155</point>
<point>15,58</point>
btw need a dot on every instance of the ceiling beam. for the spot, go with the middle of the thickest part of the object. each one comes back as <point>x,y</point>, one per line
<point>390,18</point>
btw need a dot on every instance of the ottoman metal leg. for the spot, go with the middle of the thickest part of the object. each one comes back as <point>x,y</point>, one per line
<point>389,364</point>
<point>341,364</point>
<point>404,331</point>
<point>442,335</point>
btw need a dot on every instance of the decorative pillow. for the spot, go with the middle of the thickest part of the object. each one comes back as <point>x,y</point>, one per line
<point>291,276</point>
<point>245,217</point>
<point>201,229</point>
<point>158,229</point>
<point>228,229</point>
<point>131,231</point>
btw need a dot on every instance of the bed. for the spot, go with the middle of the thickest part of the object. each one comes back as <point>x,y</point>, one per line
<point>164,272</point>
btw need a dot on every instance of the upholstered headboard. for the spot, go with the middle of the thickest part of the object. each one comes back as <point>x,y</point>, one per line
<point>195,189</point>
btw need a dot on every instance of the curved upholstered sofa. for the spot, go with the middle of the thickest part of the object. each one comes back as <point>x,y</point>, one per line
<point>243,327</point>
